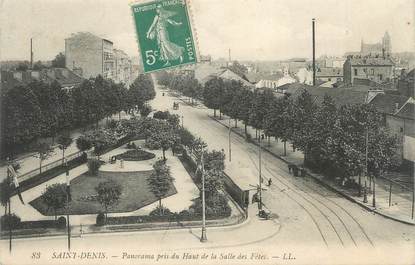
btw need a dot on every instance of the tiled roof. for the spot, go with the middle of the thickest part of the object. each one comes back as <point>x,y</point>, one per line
<point>256,77</point>
<point>407,111</point>
<point>329,72</point>
<point>370,61</point>
<point>341,96</point>
<point>63,76</point>
<point>386,103</point>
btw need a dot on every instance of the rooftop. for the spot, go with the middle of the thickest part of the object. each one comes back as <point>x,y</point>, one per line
<point>388,103</point>
<point>329,72</point>
<point>341,96</point>
<point>407,111</point>
<point>256,77</point>
<point>370,61</point>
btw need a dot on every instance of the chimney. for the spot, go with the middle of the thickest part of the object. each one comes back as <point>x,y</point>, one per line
<point>314,50</point>
<point>31,53</point>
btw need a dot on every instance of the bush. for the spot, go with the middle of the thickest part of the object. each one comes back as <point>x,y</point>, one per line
<point>160,211</point>
<point>145,110</point>
<point>161,115</point>
<point>248,137</point>
<point>178,149</point>
<point>136,155</point>
<point>83,143</point>
<point>93,166</point>
<point>112,124</point>
<point>131,146</point>
<point>216,206</point>
<point>61,222</point>
<point>7,220</point>
<point>100,221</point>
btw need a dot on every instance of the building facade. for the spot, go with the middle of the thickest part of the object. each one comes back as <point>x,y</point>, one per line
<point>123,68</point>
<point>90,53</point>
<point>377,69</point>
<point>406,84</point>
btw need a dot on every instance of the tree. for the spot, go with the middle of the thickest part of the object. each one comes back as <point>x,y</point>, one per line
<point>141,91</point>
<point>23,66</point>
<point>64,141</point>
<point>59,60</point>
<point>214,160</point>
<point>186,137</point>
<point>212,93</point>
<point>303,118</point>
<point>244,102</point>
<point>191,88</point>
<point>160,181</point>
<point>20,116</point>
<point>5,192</point>
<point>83,143</point>
<point>55,197</point>
<point>109,193</point>
<point>38,66</point>
<point>43,151</point>
<point>261,102</point>
<point>213,183</point>
<point>161,136</point>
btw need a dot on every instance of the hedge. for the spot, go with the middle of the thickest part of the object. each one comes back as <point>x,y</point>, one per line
<point>50,174</point>
<point>136,155</point>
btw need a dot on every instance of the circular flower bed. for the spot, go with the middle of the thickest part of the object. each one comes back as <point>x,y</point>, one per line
<point>136,155</point>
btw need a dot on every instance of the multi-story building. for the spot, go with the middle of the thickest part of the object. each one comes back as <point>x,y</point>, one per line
<point>123,70</point>
<point>377,69</point>
<point>92,54</point>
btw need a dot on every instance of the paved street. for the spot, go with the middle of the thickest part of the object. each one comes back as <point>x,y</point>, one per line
<point>307,215</point>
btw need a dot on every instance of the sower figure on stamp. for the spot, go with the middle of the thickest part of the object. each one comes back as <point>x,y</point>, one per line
<point>168,50</point>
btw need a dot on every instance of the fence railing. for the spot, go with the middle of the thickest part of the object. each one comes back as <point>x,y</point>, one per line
<point>35,172</point>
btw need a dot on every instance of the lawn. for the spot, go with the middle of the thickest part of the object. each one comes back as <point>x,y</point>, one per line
<point>135,193</point>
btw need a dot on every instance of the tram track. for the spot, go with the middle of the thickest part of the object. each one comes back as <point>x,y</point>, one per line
<point>313,200</point>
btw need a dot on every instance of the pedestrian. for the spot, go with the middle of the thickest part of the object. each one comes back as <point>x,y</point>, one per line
<point>269,182</point>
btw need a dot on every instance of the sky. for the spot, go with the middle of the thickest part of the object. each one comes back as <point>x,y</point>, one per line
<point>252,29</point>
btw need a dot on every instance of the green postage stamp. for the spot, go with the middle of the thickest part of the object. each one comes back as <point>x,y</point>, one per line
<point>164,34</point>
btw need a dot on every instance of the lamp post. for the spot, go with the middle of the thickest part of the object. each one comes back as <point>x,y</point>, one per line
<point>230,151</point>
<point>9,204</point>
<point>260,175</point>
<point>67,203</point>
<point>203,238</point>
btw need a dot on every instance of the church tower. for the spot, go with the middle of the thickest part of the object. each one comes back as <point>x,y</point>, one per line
<point>386,43</point>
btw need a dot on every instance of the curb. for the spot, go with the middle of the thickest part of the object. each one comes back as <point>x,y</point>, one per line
<point>370,209</point>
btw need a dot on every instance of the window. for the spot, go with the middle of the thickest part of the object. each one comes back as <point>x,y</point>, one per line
<point>372,71</point>
<point>380,77</point>
<point>355,71</point>
<point>401,130</point>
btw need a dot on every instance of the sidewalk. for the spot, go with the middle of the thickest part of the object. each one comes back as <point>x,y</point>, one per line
<point>186,189</point>
<point>401,200</point>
